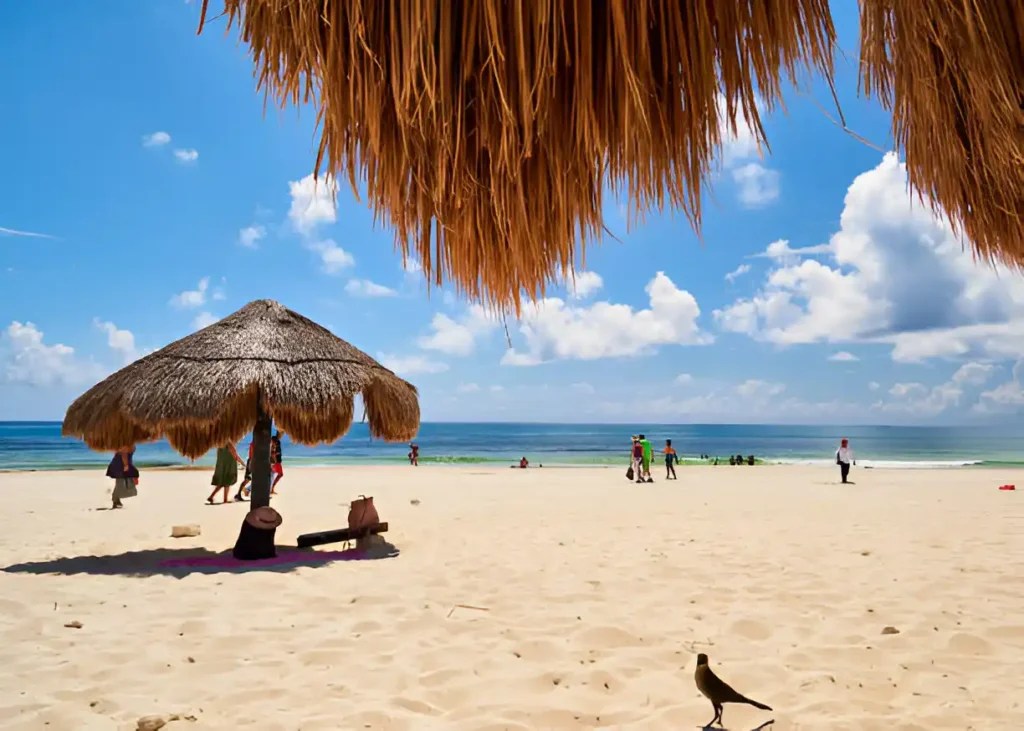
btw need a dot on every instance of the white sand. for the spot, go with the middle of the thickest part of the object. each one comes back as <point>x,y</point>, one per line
<point>599,595</point>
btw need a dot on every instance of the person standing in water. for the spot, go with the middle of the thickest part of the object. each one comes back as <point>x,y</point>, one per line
<point>844,458</point>
<point>276,468</point>
<point>670,460</point>
<point>225,472</point>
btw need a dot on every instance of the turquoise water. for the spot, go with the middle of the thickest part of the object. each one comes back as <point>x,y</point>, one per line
<point>39,445</point>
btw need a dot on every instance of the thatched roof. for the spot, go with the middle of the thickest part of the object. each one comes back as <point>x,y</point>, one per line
<point>201,391</point>
<point>486,129</point>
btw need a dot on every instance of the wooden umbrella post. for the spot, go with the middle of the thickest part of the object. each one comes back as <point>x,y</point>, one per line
<point>256,536</point>
<point>260,496</point>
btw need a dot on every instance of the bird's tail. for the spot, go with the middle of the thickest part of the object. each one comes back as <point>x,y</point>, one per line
<point>755,704</point>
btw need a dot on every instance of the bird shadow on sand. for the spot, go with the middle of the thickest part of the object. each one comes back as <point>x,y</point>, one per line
<point>182,562</point>
<point>762,727</point>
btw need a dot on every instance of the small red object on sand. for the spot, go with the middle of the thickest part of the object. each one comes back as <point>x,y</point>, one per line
<point>1008,487</point>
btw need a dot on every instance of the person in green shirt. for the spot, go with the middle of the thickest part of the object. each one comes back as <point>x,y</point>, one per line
<point>646,460</point>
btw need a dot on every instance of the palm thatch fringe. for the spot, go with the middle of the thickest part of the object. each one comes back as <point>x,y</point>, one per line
<point>953,75</point>
<point>203,390</point>
<point>486,129</point>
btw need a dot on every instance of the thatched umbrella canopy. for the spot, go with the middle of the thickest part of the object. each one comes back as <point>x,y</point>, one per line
<point>262,363</point>
<point>486,129</point>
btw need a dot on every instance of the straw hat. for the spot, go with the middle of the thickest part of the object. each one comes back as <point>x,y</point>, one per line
<point>265,518</point>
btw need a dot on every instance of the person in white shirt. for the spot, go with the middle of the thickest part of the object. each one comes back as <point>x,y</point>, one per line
<point>844,458</point>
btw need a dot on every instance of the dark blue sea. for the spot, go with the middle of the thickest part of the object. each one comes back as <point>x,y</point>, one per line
<point>40,446</point>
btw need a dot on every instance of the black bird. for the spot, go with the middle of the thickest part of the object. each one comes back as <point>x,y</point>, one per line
<point>718,691</point>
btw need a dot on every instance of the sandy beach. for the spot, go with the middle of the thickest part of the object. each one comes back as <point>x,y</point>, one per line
<point>592,598</point>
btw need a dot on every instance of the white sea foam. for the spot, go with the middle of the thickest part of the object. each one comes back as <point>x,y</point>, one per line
<point>884,464</point>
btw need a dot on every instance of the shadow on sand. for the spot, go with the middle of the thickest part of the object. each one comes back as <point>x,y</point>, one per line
<point>182,562</point>
<point>762,727</point>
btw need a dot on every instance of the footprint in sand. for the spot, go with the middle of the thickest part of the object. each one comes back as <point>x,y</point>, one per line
<point>607,638</point>
<point>751,629</point>
<point>967,644</point>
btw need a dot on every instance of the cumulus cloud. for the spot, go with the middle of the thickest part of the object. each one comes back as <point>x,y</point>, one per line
<point>31,361</point>
<point>458,337</point>
<point>918,400</point>
<point>756,184</point>
<point>333,258</point>
<point>251,235</point>
<point>843,357</point>
<point>313,203</point>
<point>366,288</point>
<point>1006,397</point>
<point>894,273</point>
<point>192,298</point>
<point>203,319</point>
<point>581,285</point>
<point>120,341</point>
<point>737,272</point>
<point>556,330</point>
<point>186,155</point>
<point>156,139</point>
<point>410,365</point>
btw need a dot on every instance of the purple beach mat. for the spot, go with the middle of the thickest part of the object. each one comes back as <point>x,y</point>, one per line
<point>283,558</point>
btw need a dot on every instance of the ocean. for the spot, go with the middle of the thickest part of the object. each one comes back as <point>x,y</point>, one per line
<point>40,446</point>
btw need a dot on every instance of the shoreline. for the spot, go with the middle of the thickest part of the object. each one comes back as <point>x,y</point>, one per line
<point>491,463</point>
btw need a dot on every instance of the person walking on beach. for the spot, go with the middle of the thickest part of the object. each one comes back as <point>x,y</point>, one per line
<point>637,454</point>
<point>670,459</point>
<point>276,467</point>
<point>225,472</point>
<point>125,475</point>
<point>646,457</point>
<point>243,489</point>
<point>414,454</point>
<point>844,458</point>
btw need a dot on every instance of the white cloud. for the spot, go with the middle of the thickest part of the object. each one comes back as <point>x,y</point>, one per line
<point>30,360</point>
<point>496,389</point>
<point>916,399</point>
<point>467,388</point>
<point>683,379</point>
<point>874,386</point>
<point>250,235</point>
<point>843,357</point>
<point>581,285</point>
<point>29,234</point>
<point>584,388</point>
<point>203,319</point>
<point>555,330</point>
<point>410,365</point>
<point>754,388</point>
<point>366,288</point>
<point>781,252</point>
<point>737,272</point>
<point>313,203</point>
<point>757,185</point>
<point>1006,397</point>
<point>192,298</point>
<point>333,258</point>
<point>120,341</point>
<point>219,295</point>
<point>156,139</point>
<point>186,156</point>
<point>897,275</point>
<point>458,337</point>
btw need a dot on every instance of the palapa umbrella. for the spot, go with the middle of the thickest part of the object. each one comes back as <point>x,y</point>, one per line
<point>485,130</point>
<point>260,365</point>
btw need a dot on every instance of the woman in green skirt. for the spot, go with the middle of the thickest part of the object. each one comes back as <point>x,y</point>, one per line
<point>225,474</point>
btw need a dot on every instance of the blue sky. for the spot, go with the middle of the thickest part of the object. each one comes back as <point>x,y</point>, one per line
<point>164,198</point>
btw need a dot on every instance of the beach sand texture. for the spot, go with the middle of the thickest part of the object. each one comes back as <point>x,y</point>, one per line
<point>598,594</point>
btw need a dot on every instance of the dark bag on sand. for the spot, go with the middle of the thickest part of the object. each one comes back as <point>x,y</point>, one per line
<point>629,472</point>
<point>362,513</point>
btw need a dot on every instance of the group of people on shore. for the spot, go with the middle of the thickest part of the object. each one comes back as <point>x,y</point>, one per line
<point>641,455</point>
<point>225,472</point>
